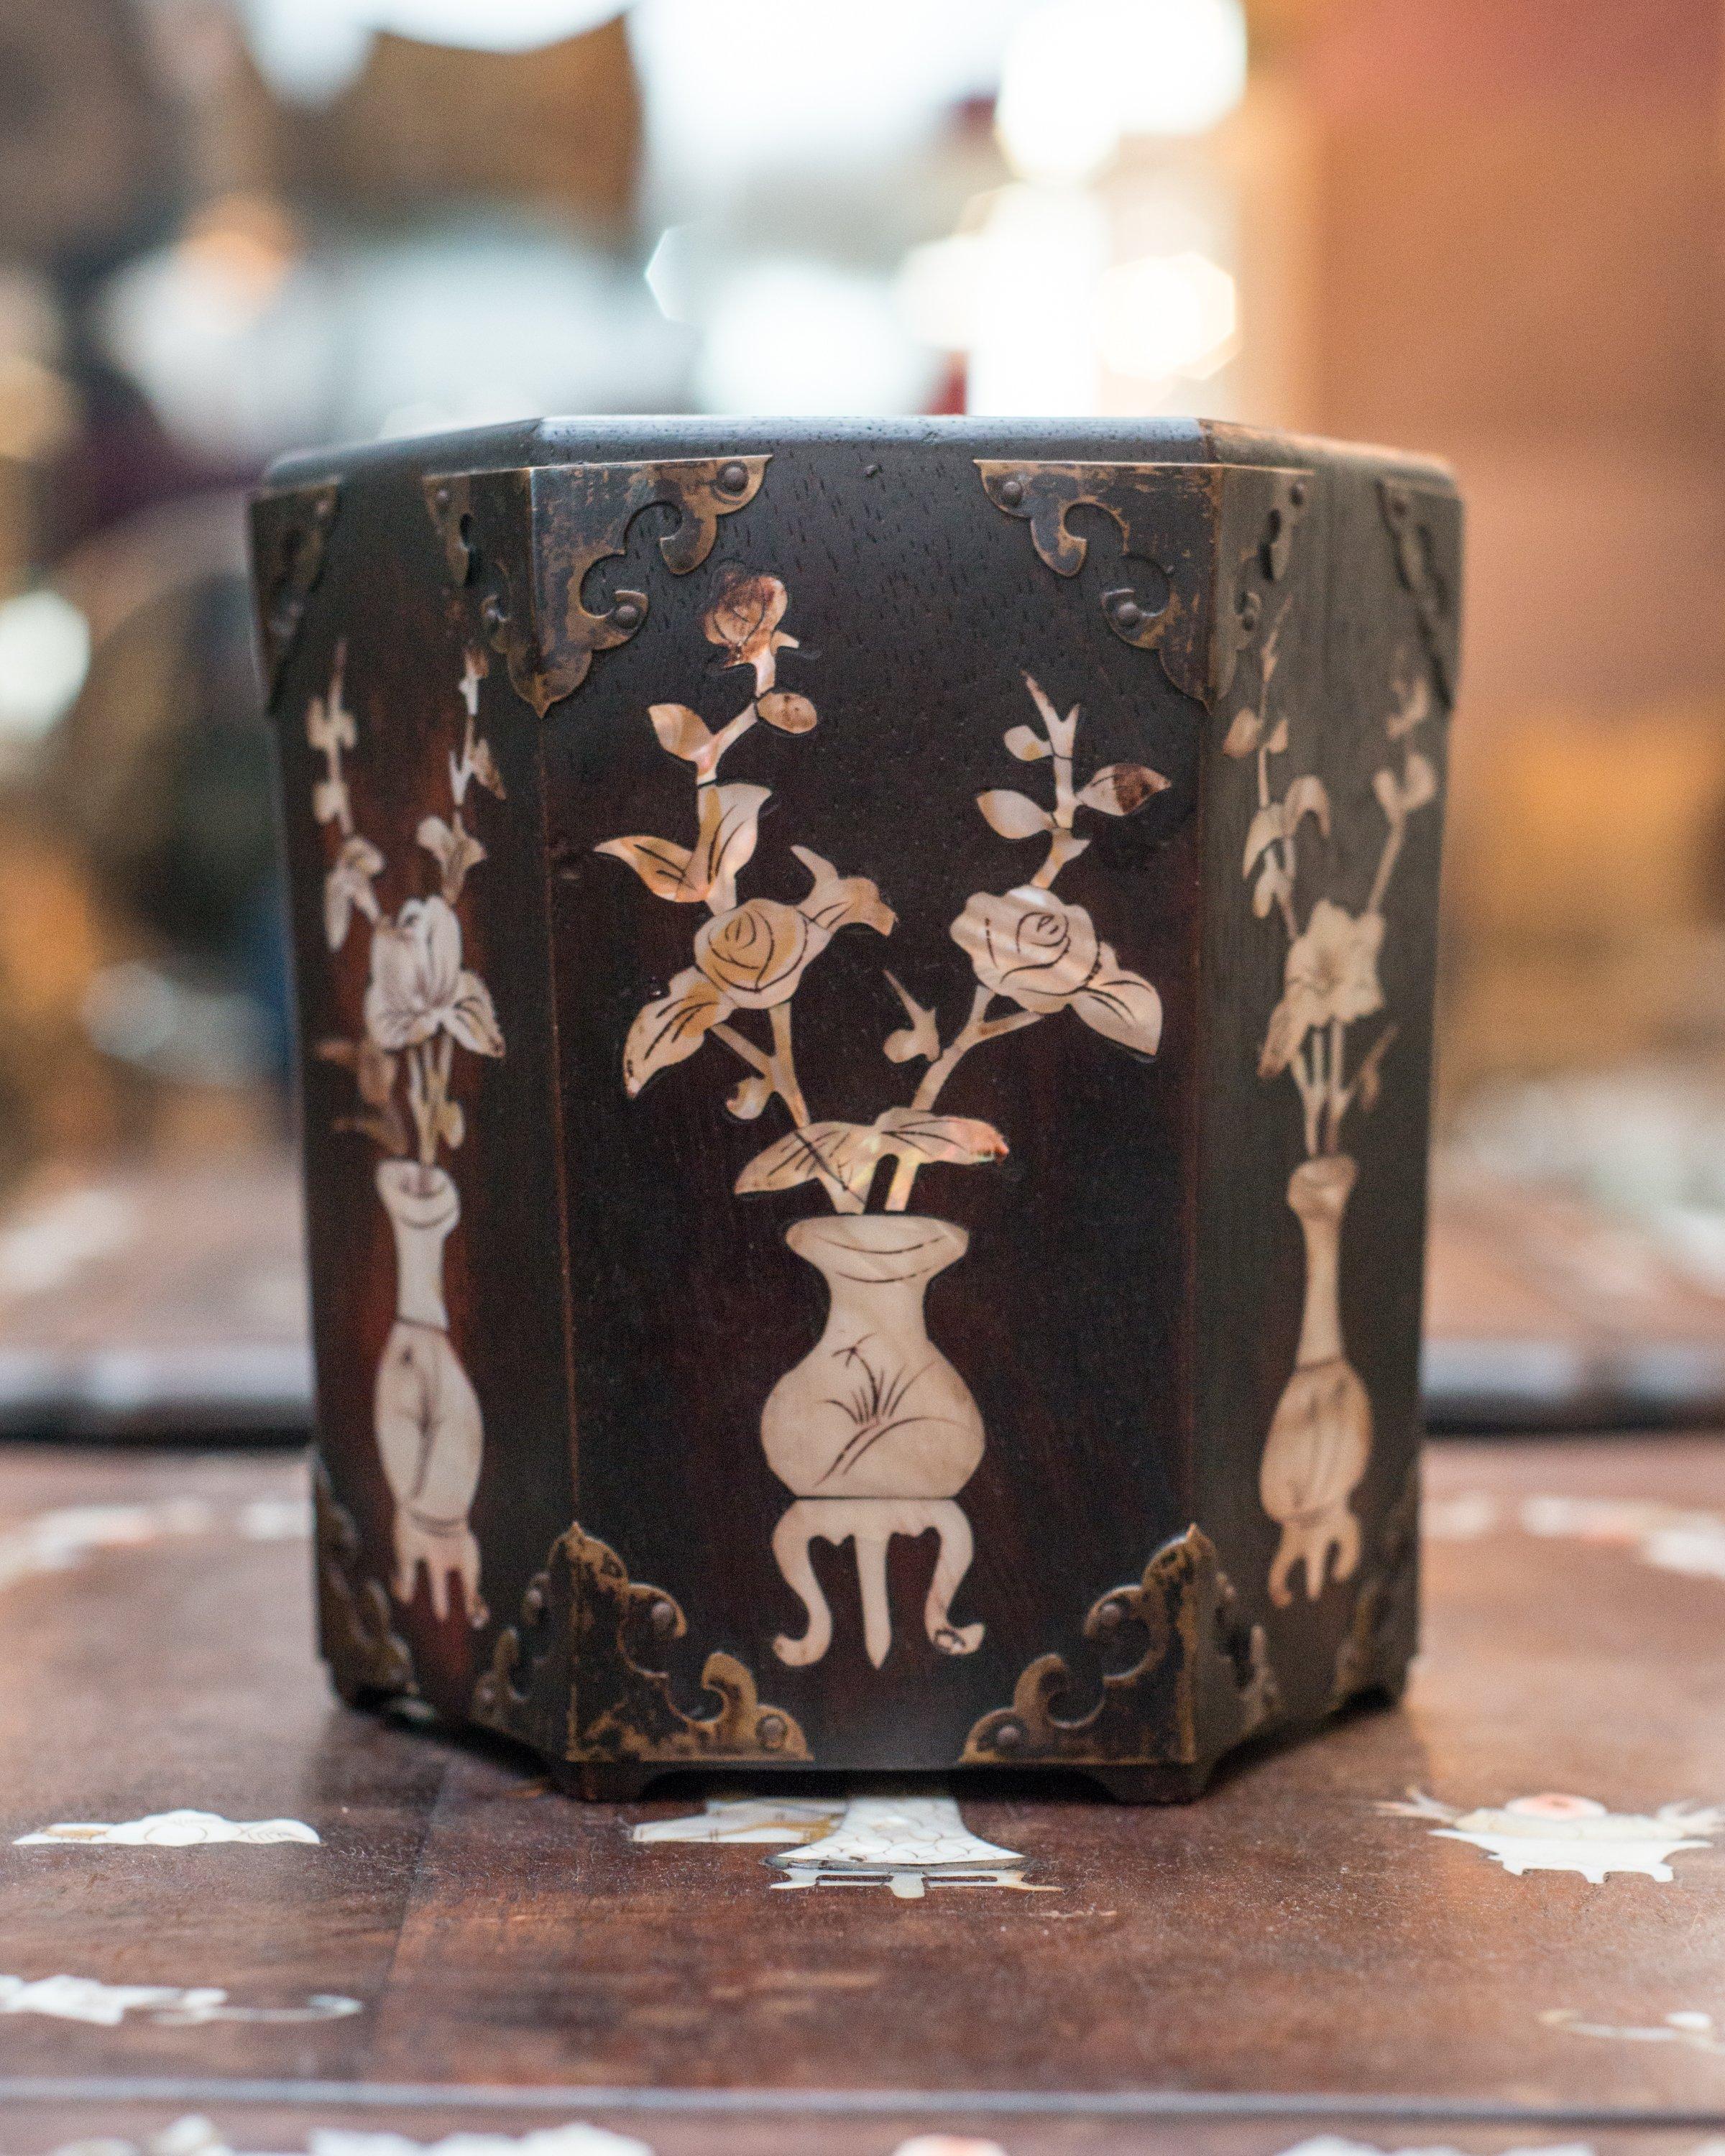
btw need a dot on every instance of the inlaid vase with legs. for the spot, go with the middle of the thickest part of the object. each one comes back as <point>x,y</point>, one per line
<point>430,1433</point>
<point>1320,1437</point>
<point>875,1432</point>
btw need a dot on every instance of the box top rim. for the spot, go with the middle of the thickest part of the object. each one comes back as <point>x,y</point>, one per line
<point>632,437</point>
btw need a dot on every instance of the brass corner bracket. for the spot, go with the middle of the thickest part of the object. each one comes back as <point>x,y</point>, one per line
<point>355,1622</point>
<point>1380,1641</point>
<point>1200,1681</point>
<point>1425,522</point>
<point>1180,519</point>
<point>527,536</point>
<point>291,532</point>
<point>568,1676</point>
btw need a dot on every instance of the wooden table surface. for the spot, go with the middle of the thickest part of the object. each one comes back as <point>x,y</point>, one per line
<point>462,1951</point>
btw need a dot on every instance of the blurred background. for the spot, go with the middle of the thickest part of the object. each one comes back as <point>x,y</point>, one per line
<point>230,228</point>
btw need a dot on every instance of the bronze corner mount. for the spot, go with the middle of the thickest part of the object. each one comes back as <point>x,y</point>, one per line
<point>526,538</point>
<point>570,1675</point>
<point>1199,1680</point>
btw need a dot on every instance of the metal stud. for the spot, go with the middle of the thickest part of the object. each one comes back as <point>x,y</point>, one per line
<point>733,477</point>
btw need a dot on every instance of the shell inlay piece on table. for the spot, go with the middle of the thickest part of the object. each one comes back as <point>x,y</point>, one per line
<point>169,2006</point>
<point>177,1829</point>
<point>906,1842</point>
<point>1554,1832</point>
<point>865,994</point>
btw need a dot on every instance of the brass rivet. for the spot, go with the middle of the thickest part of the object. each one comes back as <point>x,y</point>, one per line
<point>1009,1736</point>
<point>1296,494</point>
<point>533,1602</point>
<point>663,1615</point>
<point>1012,492</point>
<point>771,1730</point>
<point>626,614</point>
<point>1128,613</point>
<point>733,477</point>
<point>496,614</point>
<point>1109,1617</point>
<point>442,497</point>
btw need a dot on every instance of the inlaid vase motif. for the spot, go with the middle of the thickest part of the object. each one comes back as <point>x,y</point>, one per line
<point>430,1433</point>
<point>422,1002</point>
<point>1320,1434</point>
<point>874,1433</point>
<point>1319,1443</point>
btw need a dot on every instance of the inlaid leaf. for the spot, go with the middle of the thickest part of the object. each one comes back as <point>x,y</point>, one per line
<point>730,825</point>
<point>790,713</point>
<point>1368,1079</point>
<point>1266,828</point>
<point>685,733</point>
<point>835,902</point>
<point>955,1141</point>
<point>920,1037</point>
<point>1273,886</point>
<point>1289,1024</point>
<point>1244,734</point>
<point>1013,815</point>
<point>1307,797</point>
<point>1120,789</point>
<point>670,1029</point>
<point>1121,1005</point>
<point>454,848</point>
<point>1420,782</point>
<point>661,865</point>
<point>1027,745</point>
<point>749,1098</point>
<point>472,1017</point>
<point>1413,707</point>
<point>485,767</point>
<point>842,1151</point>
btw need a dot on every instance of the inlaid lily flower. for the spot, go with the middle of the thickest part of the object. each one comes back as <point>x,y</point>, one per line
<point>1331,975</point>
<point>419,987</point>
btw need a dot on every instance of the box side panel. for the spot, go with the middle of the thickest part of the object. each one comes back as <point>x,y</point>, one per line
<point>905,782</point>
<point>1323,801</point>
<point>411,814</point>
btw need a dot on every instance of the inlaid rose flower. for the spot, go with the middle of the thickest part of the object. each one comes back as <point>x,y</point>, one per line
<point>1029,945</point>
<point>755,954</point>
<point>744,619</point>
<point>419,987</point>
<point>1045,956</point>
<point>752,957</point>
<point>1331,973</point>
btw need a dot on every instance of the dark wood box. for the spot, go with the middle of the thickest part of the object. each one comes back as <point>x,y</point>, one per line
<point>866,1000</point>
